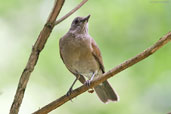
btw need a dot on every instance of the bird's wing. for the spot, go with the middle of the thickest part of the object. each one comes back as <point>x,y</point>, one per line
<point>81,79</point>
<point>97,55</point>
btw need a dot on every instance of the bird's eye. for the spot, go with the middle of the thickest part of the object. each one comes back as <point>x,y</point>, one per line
<point>76,21</point>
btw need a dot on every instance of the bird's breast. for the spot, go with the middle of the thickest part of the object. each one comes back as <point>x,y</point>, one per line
<point>78,56</point>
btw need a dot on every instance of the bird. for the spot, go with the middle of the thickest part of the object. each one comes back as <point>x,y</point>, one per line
<point>82,57</point>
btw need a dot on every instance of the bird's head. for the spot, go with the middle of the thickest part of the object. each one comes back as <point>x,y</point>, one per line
<point>80,25</point>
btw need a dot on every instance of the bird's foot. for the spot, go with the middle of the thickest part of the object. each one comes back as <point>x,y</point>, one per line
<point>69,93</point>
<point>87,83</point>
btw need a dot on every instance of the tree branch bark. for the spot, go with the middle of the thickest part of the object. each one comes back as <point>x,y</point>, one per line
<point>149,51</point>
<point>37,48</point>
<point>71,12</point>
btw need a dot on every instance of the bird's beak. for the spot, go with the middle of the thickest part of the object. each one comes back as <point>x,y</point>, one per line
<point>86,18</point>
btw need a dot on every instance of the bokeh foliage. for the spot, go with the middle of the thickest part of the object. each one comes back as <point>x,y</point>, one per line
<point>121,28</point>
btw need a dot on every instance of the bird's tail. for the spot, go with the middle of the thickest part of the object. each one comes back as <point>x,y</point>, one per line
<point>106,93</point>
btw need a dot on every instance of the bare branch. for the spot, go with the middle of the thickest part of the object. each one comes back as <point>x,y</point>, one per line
<point>71,12</point>
<point>53,105</point>
<point>37,48</point>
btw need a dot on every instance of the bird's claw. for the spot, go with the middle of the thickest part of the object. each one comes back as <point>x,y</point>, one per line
<point>69,92</point>
<point>87,83</point>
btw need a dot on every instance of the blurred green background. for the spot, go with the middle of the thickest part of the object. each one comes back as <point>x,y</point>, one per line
<point>121,28</point>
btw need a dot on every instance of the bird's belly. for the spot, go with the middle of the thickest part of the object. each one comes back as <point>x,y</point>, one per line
<point>82,62</point>
<point>85,66</point>
<point>79,59</point>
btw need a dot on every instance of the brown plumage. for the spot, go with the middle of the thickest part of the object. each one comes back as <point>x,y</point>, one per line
<point>82,58</point>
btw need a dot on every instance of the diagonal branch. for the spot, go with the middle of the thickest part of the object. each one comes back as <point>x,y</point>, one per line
<point>149,51</point>
<point>37,48</point>
<point>71,12</point>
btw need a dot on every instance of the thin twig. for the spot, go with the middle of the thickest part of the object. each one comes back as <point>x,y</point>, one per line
<point>53,105</point>
<point>37,48</point>
<point>71,12</point>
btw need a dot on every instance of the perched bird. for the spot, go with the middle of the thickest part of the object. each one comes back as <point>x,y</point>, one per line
<point>82,58</point>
